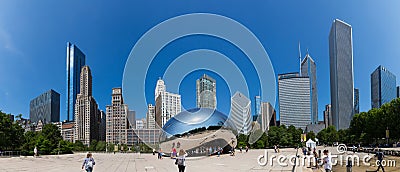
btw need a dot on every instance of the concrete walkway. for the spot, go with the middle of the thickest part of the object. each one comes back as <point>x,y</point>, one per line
<point>147,162</point>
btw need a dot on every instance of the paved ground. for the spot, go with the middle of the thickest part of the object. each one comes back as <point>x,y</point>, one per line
<point>145,162</point>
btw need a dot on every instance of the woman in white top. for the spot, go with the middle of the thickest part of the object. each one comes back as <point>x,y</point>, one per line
<point>327,161</point>
<point>180,160</point>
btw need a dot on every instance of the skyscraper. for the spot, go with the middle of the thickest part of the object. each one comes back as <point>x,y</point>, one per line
<point>356,101</point>
<point>45,107</point>
<point>167,104</point>
<point>266,117</point>
<point>383,87</point>
<point>102,127</point>
<point>341,73</point>
<point>206,92</point>
<point>150,117</point>
<point>87,115</point>
<point>117,119</point>
<point>308,68</point>
<point>257,108</point>
<point>327,116</point>
<point>398,91</point>
<point>75,61</point>
<point>294,100</point>
<point>240,114</point>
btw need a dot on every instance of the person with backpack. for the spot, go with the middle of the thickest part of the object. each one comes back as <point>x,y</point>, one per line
<point>88,163</point>
<point>380,156</point>
<point>180,160</point>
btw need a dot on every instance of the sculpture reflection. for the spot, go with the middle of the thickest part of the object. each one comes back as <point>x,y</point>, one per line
<point>199,131</point>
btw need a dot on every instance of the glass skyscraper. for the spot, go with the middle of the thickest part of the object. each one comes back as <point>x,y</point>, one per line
<point>356,101</point>
<point>308,68</point>
<point>341,74</point>
<point>383,87</point>
<point>45,107</point>
<point>257,107</point>
<point>206,92</point>
<point>75,61</point>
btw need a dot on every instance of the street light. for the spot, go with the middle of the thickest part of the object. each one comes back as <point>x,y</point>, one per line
<point>387,135</point>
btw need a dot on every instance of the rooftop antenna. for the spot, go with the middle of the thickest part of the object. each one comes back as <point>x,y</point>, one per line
<point>300,57</point>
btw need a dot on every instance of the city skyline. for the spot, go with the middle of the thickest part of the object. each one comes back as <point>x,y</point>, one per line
<point>99,58</point>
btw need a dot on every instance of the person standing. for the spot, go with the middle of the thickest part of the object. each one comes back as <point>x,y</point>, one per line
<point>173,153</point>
<point>180,160</point>
<point>35,152</point>
<point>327,161</point>
<point>247,148</point>
<point>88,163</point>
<point>380,156</point>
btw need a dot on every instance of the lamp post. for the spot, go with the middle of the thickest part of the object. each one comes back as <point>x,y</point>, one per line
<point>387,135</point>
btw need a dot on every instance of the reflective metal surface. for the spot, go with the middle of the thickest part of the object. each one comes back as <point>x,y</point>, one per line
<point>199,131</point>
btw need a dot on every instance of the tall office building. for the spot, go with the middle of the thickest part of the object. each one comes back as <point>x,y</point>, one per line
<point>150,117</point>
<point>117,119</point>
<point>75,62</point>
<point>327,116</point>
<point>206,96</point>
<point>240,115</point>
<point>398,91</point>
<point>257,108</point>
<point>341,74</point>
<point>140,124</point>
<point>131,119</point>
<point>167,104</point>
<point>266,116</point>
<point>102,126</point>
<point>294,100</point>
<point>308,68</point>
<point>45,107</point>
<point>356,101</point>
<point>87,117</point>
<point>383,87</point>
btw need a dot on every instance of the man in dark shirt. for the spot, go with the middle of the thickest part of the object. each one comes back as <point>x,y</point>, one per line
<point>380,156</point>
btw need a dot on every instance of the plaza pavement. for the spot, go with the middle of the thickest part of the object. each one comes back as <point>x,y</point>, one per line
<point>106,162</point>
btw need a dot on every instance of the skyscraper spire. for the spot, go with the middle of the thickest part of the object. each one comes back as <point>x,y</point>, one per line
<point>299,57</point>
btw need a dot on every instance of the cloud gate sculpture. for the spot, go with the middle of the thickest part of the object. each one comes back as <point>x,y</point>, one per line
<point>199,131</point>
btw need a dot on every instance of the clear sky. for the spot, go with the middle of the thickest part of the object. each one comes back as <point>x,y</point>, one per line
<point>33,36</point>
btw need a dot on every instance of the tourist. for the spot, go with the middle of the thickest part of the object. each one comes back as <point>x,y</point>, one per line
<point>88,163</point>
<point>247,148</point>
<point>240,148</point>
<point>219,151</point>
<point>354,148</point>
<point>160,154</point>
<point>380,156</point>
<point>35,153</point>
<point>173,152</point>
<point>327,161</point>
<point>275,149</point>
<point>180,160</point>
<point>154,151</point>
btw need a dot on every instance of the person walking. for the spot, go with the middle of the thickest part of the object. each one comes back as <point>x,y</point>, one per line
<point>180,160</point>
<point>327,161</point>
<point>88,162</point>
<point>247,148</point>
<point>380,156</point>
<point>35,153</point>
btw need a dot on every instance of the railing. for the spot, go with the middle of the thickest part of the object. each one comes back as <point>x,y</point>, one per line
<point>10,153</point>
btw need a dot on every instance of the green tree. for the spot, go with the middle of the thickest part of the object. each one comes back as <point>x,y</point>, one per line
<point>311,135</point>
<point>79,146</point>
<point>101,146</point>
<point>11,134</point>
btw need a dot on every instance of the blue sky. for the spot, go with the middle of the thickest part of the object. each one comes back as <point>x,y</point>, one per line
<point>33,36</point>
